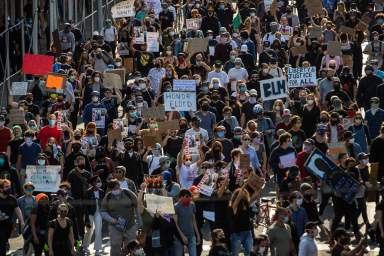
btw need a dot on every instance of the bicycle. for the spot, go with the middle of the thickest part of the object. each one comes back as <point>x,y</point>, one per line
<point>263,216</point>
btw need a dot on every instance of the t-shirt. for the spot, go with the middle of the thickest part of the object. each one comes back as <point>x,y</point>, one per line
<point>7,209</point>
<point>29,154</point>
<point>47,132</point>
<point>5,137</point>
<point>153,163</point>
<point>280,239</point>
<point>184,218</point>
<point>187,174</point>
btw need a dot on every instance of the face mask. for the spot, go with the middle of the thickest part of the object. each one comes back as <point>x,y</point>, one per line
<point>299,201</point>
<point>2,123</point>
<point>220,134</point>
<point>352,141</point>
<point>205,107</point>
<point>310,102</point>
<point>52,122</point>
<point>216,85</point>
<point>95,99</point>
<point>374,106</point>
<point>242,89</point>
<point>132,114</point>
<point>139,252</point>
<point>72,78</point>
<point>116,192</point>
<point>41,162</point>
<point>285,219</point>
<point>28,141</point>
<point>169,53</point>
<point>188,163</point>
<point>261,250</point>
<point>2,162</point>
<point>118,64</point>
<point>186,201</point>
<point>97,79</point>
<point>252,100</point>
<point>99,184</point>
<point>306,148</point>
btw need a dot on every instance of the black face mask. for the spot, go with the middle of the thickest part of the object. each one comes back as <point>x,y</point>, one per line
<point>345,240</point>
<point>76,148</point>
<point>205,107</point>
<point>77,137</point>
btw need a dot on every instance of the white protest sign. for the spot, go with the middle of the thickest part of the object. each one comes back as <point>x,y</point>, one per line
<point>267,4</point>
<point>288,160</point>
<point>19,88</point>
<point>181,85</point>
<point>152,42</point>
<point>180,101</point>
<point>123,9</point>
<point>275,88</point>
<point>138,35</point>
<point>209,215</point>
<point>300,77</point>
<point>162,204</point>
<point>193,24</point>
<point>44,178</point>
<point>98,116</point>
<point>153,5</point>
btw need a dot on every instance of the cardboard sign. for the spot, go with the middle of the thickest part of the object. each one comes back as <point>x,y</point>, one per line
<point>16,116</point>
<point>275,88</point>
<point>207,183</point>
<point>35,64</point>
<point>168,125</point>
<point>44,178</point>
<point>120,72</point>
<point>114,135</point>
<point>255,182</point>
<point>313,7</point>
<point>55,82</point>
<point>299,50</point>
<point>19,88</point>
<point>335,149</point>
<point>315,32</point>
<point>347,30</point>
<point>193,24</point>
<point>181,85</point>
<point>180,101</point>
<point>99,116</point>
<point>112,80</point>
<point>334,48</point>
<point>342,183</point>
<point>301,77</point>
<point>157,113</point>
<point>196,45</point>
<point>150,141</point>
<point>245,161</point>
<point>123,9</point>
<point>161,204</point>
<point>129,65</point>
<point>153,42</point>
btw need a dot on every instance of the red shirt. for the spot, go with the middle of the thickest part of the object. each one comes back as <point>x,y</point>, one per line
<point>300,161</point>
<point>5,137</point>
<point>47,132</point>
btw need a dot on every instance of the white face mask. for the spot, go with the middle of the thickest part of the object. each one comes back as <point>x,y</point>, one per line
<point>97,79</point>
<point>142,85</point>
<point>118,64</point>
<point>299,201</point>
<point>261,250</point>
<point>277,108</point>
<point>41,162</point>
<point>310,102</point>
<point>99,184</point>
<point>95,99</point>
<point>2,123</point>
<point>352,141</point>
<point>365,161</point>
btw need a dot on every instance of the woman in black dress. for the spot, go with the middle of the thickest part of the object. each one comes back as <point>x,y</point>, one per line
<point>61,241</point>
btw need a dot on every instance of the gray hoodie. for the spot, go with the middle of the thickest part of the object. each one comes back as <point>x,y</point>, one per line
<point>307,246</point>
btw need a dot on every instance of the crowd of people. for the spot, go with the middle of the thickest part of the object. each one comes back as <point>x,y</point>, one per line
<point>208,162</point>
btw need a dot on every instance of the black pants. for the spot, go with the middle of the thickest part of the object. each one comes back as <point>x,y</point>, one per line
<point>349,211</point>
<point>5,234</point>
<point>324,202</point>
<point>113,47</point>
<point>39,248</point>
<point>362,209</point>
<point>80,217</point>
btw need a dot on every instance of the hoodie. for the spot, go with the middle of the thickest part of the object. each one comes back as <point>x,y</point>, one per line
<point>307,246</point>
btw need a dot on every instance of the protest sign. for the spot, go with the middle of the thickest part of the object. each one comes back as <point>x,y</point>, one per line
<point>300,77</point>
<point>19,88</point>
<point>123,9</point>
<point>128,64</point>
<point>320,165</point>
<point>344,185</point>
<point>195,45</point>
<point>168,125</point>
<point>255,182</point>
<point>275,88</point>
<point>112,80</point>
<point>314,7</point>
<point>150,140</point>
<point>114,135</point>
<point>161,204</point>
<point>180,101</point>
<point>44,178</point>
<point>193,24</point>
<point>267,5</point>
<point>99,116</point>
<point>207,183</point>
<point>182,85</point>
<point>154,5</point>
<point>245,161</point>
<point>35,64</point>
<point>334,48</point>
<point>139,37</point>
<point>315,32</point>
<point>55,82</point>
<point>336,148</point>
<point>209,215</point>
<point>348,30</point>
<point>156,112</point>
<point>299,50</point>
<point>152,42</point>
<point>16,116</point>
<point>120,72</point>
<point>288,160</point>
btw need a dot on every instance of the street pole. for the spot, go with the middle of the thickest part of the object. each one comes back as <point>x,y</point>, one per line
<point>22,30</point>
<point>70,9</point>
<point>92,16</point>
<point>7,73</point>
<point>99,15</point>
<point>35,29</point>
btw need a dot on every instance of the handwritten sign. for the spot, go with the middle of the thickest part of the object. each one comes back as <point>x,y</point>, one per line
<point>181,85</point>
<point>99,116</point>
<point>16,116</point>
<point>44,178</point>
<point>114,135</point>
<point>272,89</point>
<point>123,9</point>
<point>180,101</point>
<point>299,50</point>
<point>157,113</point>
<point>193,24</point>
<point>334,48</point>
<point>152,42</point>
<point>162,204</point>
<point>19,88</point>
<point>121,73</point>
<point>111,80</point>
<point>301,77</point>
<point>168,125</point>
<point>288,160</point>
<point>245,161</point>
<point>150,140</point>
<point>55,82</point>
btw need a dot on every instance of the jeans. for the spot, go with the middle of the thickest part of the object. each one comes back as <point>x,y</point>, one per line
<point>96,225</point>
<point>119,240</point>
<point>245,237</point>
<point>179,247</point>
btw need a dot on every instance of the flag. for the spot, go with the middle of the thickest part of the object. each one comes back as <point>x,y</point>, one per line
<point>236,20</point>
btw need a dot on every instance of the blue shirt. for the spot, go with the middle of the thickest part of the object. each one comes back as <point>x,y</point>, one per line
<point>299,218</point>
<point>253,157</point>
<point>29,154</point>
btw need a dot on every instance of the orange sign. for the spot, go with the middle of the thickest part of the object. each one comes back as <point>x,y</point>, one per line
<point>55,82</point>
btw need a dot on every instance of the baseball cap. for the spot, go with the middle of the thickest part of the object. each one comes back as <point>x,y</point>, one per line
<point>286,112</point>
<point>244,48</point>
<point>362,156</point>
<point>309,142</point>
<point>375,100</point>
<point>311,224</point>
<point>163,159</point>
<point>238,60</point>
<point>320,128</point>
<point>252,92</point>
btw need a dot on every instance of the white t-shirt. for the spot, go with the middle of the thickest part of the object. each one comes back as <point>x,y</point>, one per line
<point>222,76</point>
<point>187,174</point>
<point>238,74</point>
<point>196,138</point>
<point>109,34</point>
<point>334,138</point>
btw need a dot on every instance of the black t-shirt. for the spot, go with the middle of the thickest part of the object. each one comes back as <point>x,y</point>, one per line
<point>42,219</point>
<point>323,147</point>
<point>298,138</point>
<point>79,183</point>
<point>173,146</point>
<point>311,209</point>
<point>247,110</point>
<point>241,221</point>
<point>14,145</point>
<point>7,209</point>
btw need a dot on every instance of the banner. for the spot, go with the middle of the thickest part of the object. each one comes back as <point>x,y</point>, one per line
<point>123,9</point>
<point>152,42</point>
<point>35,64</point>
<point>19,88</point>
<point>44,178</point>
<point>181,85</point>
<point>272,89</point>
<point>98,116</point>
<point>180,101</point>
<point>343,185</point>
<point>161,204</point>
<point>193,24</point>
<point>300,77</point>
<point>55,82</point>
